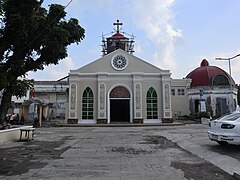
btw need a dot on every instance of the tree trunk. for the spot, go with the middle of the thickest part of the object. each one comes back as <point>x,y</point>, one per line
<point>5,104</point>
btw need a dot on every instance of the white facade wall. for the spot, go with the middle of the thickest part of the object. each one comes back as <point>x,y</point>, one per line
<point>211,94</point>
<point>180,102</point>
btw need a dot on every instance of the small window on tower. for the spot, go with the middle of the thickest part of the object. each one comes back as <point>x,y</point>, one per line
<point>181,92</point>
<point>173,93</point>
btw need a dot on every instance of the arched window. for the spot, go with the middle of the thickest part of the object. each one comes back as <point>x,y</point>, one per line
<point>87,104</point>
<point>152,104</point>
<point>220,80</point>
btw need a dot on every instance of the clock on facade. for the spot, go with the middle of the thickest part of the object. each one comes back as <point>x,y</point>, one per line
<point>119,62</point>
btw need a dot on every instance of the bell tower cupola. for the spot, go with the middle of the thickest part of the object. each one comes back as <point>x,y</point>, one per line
<point>117,41</point>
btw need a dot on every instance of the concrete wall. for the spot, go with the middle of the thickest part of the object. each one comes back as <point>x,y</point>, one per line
<point>9,135</point>
<point>12,134</point>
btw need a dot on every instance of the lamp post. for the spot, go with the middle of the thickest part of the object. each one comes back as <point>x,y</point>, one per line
<point>229,61</point>
<point>231,88</point>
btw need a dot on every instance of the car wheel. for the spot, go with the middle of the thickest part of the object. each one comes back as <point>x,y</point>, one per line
<point>223,143</point>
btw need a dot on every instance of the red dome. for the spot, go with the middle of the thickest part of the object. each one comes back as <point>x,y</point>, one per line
<point>206,75</point>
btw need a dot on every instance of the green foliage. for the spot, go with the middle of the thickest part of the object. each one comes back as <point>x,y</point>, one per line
<point>21,87</point>
<point>1,2</point>
<point>32,37</point>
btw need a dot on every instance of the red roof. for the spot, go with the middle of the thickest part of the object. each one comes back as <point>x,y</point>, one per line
<point>118,35</point>
<point>203,75</point>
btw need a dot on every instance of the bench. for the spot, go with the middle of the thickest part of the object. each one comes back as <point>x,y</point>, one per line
<point>29,133</point>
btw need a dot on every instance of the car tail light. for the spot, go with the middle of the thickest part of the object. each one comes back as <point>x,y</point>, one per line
<point>227,126</point>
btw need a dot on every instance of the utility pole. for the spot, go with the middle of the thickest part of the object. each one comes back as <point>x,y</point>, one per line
<point>231,100</point>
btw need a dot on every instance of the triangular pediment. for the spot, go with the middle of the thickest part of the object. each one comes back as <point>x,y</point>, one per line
<point>108,64</point>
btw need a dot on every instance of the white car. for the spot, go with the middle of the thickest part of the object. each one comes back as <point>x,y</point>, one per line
<point>226,129</point>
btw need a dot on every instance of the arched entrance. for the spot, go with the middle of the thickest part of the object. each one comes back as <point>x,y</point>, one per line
<point>119,105</point>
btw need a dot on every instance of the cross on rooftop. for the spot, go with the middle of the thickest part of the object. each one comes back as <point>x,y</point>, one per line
<point>118,24</point>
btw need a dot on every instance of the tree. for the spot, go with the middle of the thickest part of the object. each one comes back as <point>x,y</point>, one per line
<point>31,37</point>
<point>238,94</point>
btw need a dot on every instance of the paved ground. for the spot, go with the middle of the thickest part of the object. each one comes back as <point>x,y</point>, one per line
<point>119,153</point>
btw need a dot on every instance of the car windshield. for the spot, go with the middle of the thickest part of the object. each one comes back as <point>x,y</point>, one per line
<point>230,117</point>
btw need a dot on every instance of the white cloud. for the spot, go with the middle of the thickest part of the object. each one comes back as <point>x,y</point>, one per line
<point>156,18</point>
<point>60,70</point>
<point>54,72</point>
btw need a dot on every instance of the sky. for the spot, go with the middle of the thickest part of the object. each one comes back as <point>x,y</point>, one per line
<point>173,35</point>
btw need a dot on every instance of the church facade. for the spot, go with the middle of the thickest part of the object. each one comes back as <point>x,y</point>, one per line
<point>119,87</point>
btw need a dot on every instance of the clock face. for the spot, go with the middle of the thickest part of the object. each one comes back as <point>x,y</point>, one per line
<point>119,62</point>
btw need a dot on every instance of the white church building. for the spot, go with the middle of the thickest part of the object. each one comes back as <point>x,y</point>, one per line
<point>119,87</point>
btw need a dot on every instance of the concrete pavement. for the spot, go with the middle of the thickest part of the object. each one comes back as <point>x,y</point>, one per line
<point>194,139</point>
<point>119,153</point>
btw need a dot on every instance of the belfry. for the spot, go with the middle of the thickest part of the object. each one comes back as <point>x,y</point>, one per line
<point>117,41</point>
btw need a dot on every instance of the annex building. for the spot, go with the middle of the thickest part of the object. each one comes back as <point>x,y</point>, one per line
<point>212,90</point>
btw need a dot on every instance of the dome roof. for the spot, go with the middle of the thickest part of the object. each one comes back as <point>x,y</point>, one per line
<point>206,75</point>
